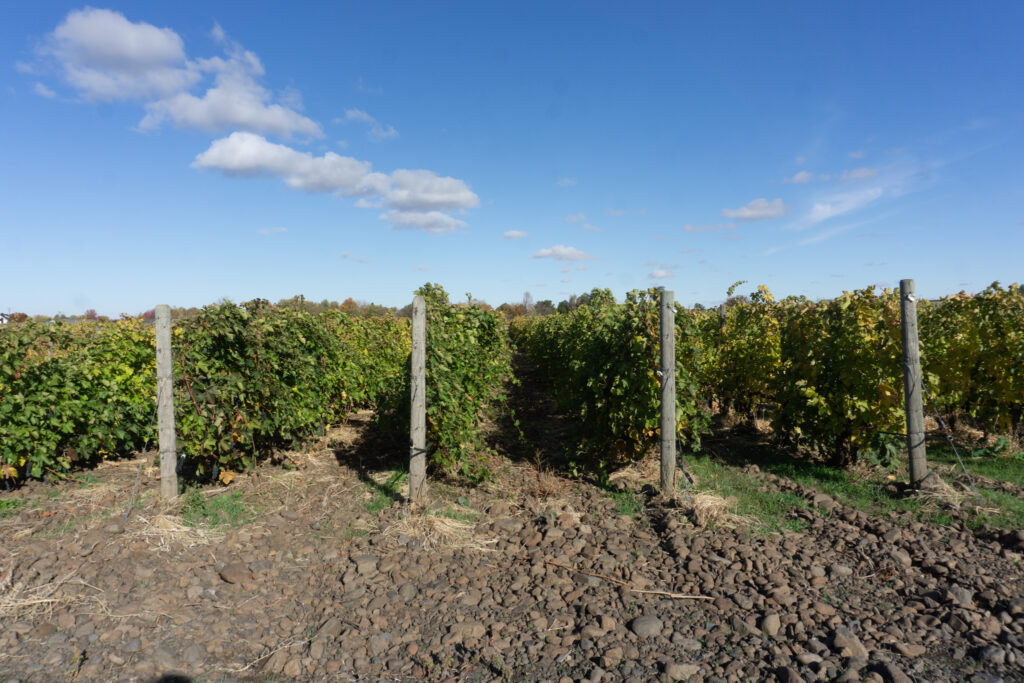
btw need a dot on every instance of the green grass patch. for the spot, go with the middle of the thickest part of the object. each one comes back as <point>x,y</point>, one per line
<point>627,503</point>
<point>1010,514</point>
<point>469,517</point>
<point>993,462</point>
<point>387,494</point>
<point>754,499</point>
<point>226,509</point>
<point>9,508</point>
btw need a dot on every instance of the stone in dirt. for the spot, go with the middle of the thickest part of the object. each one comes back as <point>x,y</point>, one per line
<point>910,649</point>
<point>788,674</point>
<point>646,626</point>
<point>901,557</point>
<point>680,672</point>
<point>893,674</point>
<point>960,595</point>
<point>236,572</point>
<point>846,644</point>
<point>365,564</point>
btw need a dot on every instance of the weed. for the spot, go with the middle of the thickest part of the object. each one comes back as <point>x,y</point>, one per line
<point>796,524</point>
<point>386,494</point>
<point>627,503</point>
<point>9,508</point>
<point>226,509</point>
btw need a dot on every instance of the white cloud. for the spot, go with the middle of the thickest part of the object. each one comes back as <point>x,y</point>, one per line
<point>859,174</point>
<point>271,231</point>
<point>429,221</point>
<point>615,212</point>
<point>514,235</point>
<point>800,177</point>
<point>248,154</point>
<point>585,266</point>
<point>842,203</point>
<point>43,91</point>
<point>235,102</point>
<point>378,131</point>
<point>575,218</point>
<point>566,269</point>
<point>421,267</point>
<point>565,279</point>
<point>592,228</point>
<point>565,182</point>
<point>857,154</point>
<point>756,210</point>
<point>420,190</point>
<point>660,274</point>
<point>416,197</point>
<point>563,253</point>
<point>801,160</point>
<point>347,256</point>
<point>106,57</point>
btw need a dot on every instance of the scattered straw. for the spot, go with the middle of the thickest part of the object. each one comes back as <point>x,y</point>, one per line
<point>164,532</point>
<point>19,600</point>
<point>440,533</point>
<point>710,509</point>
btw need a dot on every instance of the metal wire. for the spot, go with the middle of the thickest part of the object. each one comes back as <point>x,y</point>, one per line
<point>949,437</point>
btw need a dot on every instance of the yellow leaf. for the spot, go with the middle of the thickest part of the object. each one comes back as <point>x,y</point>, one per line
<point>226,477</point>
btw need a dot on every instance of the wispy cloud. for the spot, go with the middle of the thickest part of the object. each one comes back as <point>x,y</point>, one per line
<point>514,234</point>
<point>857,154</point>
<point>347,256</point>
<point>660,274</point>
<point>592,228</point>
<point>563,253</point>
<point>43,91</point>
<point>709,228</point>
<point>800,177</point>
<point>429,221</point>
<point>575,218</point>
<point>565,182</point>
<point>615,212</point>
<point>378,131</point>
<point>859,174</point>
<point>271,231</point>
<point>756,210</point>
<point>839,204</point>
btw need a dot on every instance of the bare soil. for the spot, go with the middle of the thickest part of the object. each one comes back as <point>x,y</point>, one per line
<point>325,574</point>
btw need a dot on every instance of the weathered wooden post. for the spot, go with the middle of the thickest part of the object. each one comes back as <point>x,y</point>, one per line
<point>165,405</point>
<point>912,383</point>
<point>668,393</point>
<point>721,315</point>
<point>418,413</point>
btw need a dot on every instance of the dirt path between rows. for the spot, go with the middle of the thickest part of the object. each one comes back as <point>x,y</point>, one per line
<point>325,575</point>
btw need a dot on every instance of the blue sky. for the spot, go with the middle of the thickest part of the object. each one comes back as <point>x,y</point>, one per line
<point>182,152</point>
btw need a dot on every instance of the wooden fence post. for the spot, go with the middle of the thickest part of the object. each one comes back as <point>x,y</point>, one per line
<point>418,413</point>
<point>165,405</point>
<point>668,393</point>
<point>912,383</point>
<point>721,315</point>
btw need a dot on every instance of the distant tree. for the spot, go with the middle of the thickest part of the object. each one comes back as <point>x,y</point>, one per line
<point>404,312</point>
<point>149,315</point>
<point>349,305</point>
<point>511,311</point>
<point>18,317</point>
<point>699,307</point>
<point>90,314</point>
<point>543,307</point>
<point>528,302</point>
